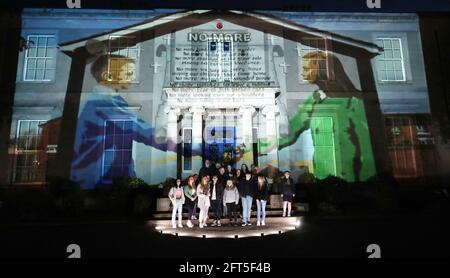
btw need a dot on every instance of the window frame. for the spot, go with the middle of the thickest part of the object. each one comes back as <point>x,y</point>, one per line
<point>183,157</point>
<point>17,152</point>
<point>220,44</point>
<point>102,172</point>
<point>402,59</point>
<point>138,53</point>
<point>26,58</point>
<point>329,62</point>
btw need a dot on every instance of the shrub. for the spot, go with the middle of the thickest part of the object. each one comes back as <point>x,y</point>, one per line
<point>142,204</point>
<point>167,184</point>
<point>67,195</point>
<point>307,178</point>
<point>327,208</point>
<point>28,204</point>
<point>61,187</point>
<point>121,190</point>
<point>385,199</point>
<point>124,185</point>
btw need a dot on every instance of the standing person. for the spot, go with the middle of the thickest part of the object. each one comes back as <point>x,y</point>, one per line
<point>244,169</point>
<point>288,192</point>
<point>176,195</point>
<point>261,196</point>
<point>222,175</point>
<point>230,201</point>
<point>238,176</point>
<point>190,191</point>
<point>247,191</point>
<point>196,181</point>
<point>206,170</point>
<point>231,173</point>
<point>216,169</point>
<point>204,203</point>
<point>237,181</point>
<point>216,189</point>
<point>252,169</point>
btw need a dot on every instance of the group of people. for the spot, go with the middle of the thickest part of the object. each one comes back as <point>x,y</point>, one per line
<point>220,189</point>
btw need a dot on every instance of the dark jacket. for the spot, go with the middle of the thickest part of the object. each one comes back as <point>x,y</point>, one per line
<point>214,171</point>
<point>287,186</point>
<point>247,187</point>
<point>205,171</point>
<point>223,178</point>
<point>219,190</point>
<point>262,193</point>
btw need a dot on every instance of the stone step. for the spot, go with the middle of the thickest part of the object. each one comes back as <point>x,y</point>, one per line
<point>297,209</point>
<point>275,202</point>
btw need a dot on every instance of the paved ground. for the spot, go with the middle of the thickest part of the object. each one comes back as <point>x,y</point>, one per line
<point>274,226</point>
<point>317,237</point>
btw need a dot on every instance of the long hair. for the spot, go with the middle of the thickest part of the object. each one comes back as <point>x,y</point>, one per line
<point>340,84</point>
<point>261,181</point>
<point>191,181</point>
<point>243,171</point>
<point>204,185</point>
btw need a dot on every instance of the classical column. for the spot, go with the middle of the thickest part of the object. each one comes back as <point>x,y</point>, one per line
<point>271,146</point>
<point>197,136</point>
<point>172,140</point>
<point>247,113</point>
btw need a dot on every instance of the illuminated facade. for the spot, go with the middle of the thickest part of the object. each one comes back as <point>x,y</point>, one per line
<point>152,94</point>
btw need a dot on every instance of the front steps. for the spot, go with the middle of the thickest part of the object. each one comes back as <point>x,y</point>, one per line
<point>297,210</point>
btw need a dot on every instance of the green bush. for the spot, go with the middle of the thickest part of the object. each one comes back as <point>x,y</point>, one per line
<point>121,190</point>
<point>124,185</point>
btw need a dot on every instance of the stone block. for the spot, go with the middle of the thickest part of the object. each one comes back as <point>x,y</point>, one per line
<point>163,204</point>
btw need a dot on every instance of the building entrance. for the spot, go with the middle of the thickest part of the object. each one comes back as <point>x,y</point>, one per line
<point>221,145</point>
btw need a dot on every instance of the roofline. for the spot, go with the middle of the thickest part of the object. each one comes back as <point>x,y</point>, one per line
<point>150,23</point>
<point>158,20</point>
<point>298,27</point>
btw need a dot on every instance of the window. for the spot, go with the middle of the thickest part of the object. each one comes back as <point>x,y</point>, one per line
<point>410,145</point>
<point>129,49</point>
<point>255,146</point>
<point>220,61</point>
<point>313,52</point>
<point>30,152</point>
<point>187,149</point>
<point>117,154</point>
<point>390,64</point>
<point>40,58</point>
